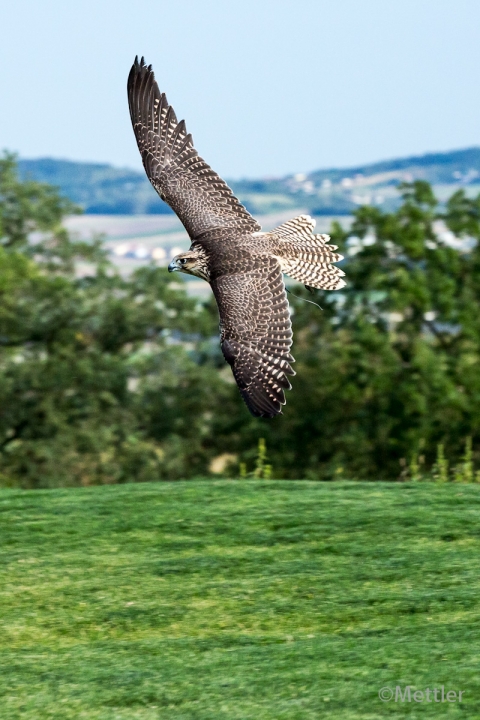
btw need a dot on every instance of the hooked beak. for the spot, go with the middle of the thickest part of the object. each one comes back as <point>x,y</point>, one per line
<point>173,266</point>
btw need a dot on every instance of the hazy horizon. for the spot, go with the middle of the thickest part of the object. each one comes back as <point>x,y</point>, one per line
<point>263,177</point>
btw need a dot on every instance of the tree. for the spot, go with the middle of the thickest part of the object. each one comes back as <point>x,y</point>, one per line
<point>389,368</point>
<point>78,354</point>
<point>111,379</point>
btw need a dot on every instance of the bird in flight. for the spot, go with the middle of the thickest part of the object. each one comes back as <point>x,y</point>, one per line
<point>243,265</point>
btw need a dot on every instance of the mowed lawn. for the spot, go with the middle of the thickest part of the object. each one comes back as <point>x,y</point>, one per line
<point>239,599</point>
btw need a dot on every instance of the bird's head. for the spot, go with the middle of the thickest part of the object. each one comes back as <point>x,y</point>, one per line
<point>193,262</point>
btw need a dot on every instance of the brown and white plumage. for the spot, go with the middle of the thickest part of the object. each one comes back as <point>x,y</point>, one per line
<point>243,265</point>
<point>200,198</point>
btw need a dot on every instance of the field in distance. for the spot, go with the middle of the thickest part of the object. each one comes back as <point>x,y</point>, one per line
<point>231,600</point>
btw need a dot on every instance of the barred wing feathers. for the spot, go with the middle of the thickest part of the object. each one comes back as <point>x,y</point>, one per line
<point>200,198</point>
<point>307,257</point>
<point>256,335</point>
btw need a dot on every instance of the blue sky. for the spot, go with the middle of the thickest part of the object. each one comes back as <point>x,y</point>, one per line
<point>267,87</point>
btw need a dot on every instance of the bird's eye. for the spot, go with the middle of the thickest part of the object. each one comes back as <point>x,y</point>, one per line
<point>183,261</point>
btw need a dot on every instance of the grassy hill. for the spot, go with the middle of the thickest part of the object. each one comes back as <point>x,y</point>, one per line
<point>238,600</point>
<point>103,189</point>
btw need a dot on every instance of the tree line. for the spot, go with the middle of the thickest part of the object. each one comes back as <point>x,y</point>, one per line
<point>106,379</point>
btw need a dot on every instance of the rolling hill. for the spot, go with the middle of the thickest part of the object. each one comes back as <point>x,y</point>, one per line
<point>104,189</point>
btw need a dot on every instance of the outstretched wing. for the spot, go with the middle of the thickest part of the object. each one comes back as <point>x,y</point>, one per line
<point>200,198</point>
<point>256,334</point>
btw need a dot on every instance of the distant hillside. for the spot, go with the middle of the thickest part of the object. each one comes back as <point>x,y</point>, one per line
<point>339,191</point>
<point>98,189</point>
<point>103,189</point>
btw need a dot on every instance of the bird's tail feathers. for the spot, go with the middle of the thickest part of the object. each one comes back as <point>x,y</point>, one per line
<point>307,257</point>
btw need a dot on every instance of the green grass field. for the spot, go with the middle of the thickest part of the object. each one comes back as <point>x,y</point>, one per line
<point>239,599</point>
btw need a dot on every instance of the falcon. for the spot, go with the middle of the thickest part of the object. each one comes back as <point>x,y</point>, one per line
<point>243,265</point>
